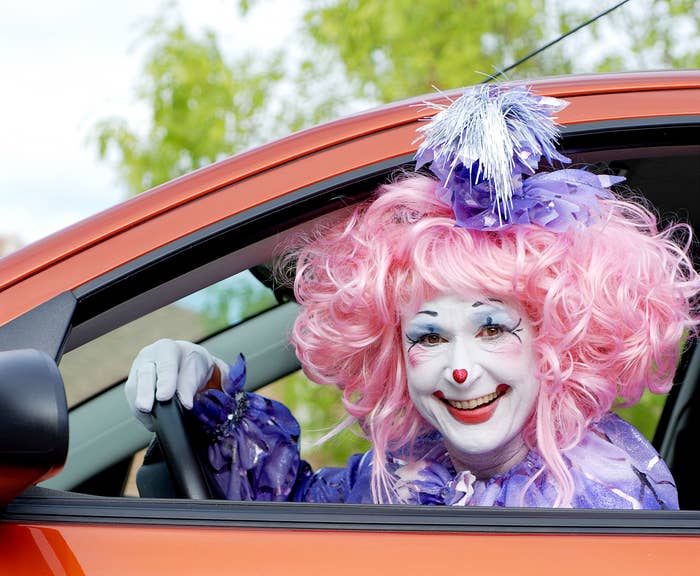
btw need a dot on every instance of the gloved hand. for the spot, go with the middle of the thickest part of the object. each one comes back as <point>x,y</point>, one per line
<point>167,367</point>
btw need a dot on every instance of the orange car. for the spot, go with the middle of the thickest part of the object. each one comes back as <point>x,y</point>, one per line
<point>90,296</point>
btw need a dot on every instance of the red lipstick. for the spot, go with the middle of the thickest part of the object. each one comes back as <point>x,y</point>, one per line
<point>475,415</point>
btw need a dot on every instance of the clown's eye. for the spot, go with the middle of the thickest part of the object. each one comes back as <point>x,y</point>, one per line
<point>490,331</point>
<point>431,339</point>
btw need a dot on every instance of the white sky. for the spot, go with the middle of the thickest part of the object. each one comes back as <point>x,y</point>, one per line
<point>66,65</point>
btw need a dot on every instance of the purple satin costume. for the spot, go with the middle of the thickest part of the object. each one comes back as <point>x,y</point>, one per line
<point>254,455</point>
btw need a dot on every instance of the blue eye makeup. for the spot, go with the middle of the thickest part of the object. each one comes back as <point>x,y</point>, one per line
<point>427,334</point>
<point>490,323</point>
<point>486,321</point>
<point>414,333</point>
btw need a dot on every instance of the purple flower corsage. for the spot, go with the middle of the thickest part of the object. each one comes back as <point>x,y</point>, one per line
<point>253,449</point>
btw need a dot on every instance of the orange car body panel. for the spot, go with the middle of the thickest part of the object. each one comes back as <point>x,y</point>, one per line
<point>107,550</point>
<point>94,246</point>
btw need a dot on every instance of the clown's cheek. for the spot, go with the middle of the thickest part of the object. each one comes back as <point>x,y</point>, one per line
<point>417,357</point>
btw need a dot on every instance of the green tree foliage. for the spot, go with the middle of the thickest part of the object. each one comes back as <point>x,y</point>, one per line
<point>232,300</point>
<point>319,410</point>
<point>353,53</point>
<point>201,107</point>
<point>400,48</point>
<point>645,414</point>
<point>652,34</point>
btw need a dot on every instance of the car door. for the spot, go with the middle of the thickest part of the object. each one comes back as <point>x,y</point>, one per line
<point>84,284</point>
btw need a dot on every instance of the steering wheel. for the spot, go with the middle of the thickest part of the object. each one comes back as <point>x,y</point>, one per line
<point>174,430</point>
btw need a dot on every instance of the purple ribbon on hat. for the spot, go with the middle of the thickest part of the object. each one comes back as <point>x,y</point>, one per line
<point>552,200</point>
<point>485,149</point>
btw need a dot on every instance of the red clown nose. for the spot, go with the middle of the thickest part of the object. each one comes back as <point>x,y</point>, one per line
<point>460,375</point>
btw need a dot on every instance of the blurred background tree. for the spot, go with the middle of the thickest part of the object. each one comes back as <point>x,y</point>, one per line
<point>348,55</point>
<point>202,107</point>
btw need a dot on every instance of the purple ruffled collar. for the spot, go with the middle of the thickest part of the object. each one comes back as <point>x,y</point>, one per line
<point>433,480</point>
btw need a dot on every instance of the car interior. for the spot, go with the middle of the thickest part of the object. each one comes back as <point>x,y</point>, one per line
<point>160,294</point>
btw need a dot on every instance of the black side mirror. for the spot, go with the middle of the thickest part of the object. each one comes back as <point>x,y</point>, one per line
<point>33,421</point>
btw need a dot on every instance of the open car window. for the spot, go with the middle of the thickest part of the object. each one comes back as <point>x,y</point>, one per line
<point>103,362</point>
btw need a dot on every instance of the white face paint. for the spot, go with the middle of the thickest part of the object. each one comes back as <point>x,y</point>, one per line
<point>471,374</point>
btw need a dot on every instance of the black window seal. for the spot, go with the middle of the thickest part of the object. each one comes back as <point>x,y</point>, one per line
<point>44,328</point>
<point>226,236</point>
<point>631,133</point>
<point>77,509</point>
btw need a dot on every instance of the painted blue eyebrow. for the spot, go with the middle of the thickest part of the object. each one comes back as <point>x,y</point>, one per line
<point>428,312</point>
<point>479,303</point>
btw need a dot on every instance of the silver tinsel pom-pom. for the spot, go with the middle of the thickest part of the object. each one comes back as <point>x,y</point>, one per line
<point>491,135</point>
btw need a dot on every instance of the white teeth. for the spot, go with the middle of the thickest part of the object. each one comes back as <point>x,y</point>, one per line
<point>471,404</point>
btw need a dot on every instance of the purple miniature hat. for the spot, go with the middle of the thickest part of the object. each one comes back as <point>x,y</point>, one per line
<point>486,147</point>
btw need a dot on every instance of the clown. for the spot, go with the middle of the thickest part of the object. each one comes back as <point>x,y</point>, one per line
<point>481,325</point>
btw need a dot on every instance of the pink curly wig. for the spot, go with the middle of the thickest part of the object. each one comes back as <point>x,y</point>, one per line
<point>609,305</point>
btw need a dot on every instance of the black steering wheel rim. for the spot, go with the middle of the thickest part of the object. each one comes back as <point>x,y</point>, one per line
<point>174,431</point>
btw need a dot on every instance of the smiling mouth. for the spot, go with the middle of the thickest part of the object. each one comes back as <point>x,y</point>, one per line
<point>476,410</point>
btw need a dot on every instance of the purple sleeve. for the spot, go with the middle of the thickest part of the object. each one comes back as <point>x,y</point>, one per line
<point>349,485</point>
<point>253,448</point>
<point>614,466</point>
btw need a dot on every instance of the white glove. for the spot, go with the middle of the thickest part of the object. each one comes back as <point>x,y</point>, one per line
<point>167,367</point>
